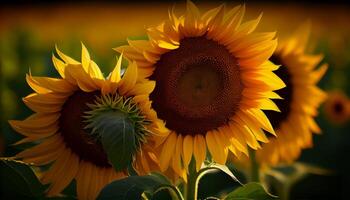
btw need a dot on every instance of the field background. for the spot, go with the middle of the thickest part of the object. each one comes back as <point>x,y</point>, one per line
<point>29,33</point>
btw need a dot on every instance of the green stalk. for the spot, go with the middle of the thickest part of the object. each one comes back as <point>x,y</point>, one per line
<point>254,167</point>
<point>191,189</point>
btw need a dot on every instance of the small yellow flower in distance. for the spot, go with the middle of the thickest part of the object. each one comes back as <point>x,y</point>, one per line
<point>337,107</point>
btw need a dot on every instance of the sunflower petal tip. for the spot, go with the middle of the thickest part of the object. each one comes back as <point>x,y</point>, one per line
<point>57,49</point>
<point>11,122</point>
<point>118,49</point>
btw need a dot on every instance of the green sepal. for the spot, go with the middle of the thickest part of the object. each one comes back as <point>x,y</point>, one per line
<point>117,136</point>
<point>117,123</point>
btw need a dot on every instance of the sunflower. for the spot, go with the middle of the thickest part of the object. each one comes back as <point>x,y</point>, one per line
<point>295,123</point>
<point>61,130</point>
<point>337,107</point>
<point>213,79</point>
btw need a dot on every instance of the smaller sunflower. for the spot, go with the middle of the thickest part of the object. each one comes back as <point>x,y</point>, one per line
<point>63,126</point>
<point>295,123</point>
<point>337,107</point>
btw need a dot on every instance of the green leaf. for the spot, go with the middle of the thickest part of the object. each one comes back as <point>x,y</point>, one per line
<point>133,187</point>
<point>250,191</point>
<point>214,167</point>
<point>117,135</point>
<point>19,180</point>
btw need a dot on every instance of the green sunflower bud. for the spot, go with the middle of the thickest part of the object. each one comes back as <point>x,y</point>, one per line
<point>117,123</point>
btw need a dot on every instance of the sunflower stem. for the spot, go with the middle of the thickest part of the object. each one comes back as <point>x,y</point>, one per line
<point>254,167</point>
<point>191,189</point>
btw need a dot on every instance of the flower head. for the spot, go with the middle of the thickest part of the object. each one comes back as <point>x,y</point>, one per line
<point>213,79</point>
<point>337,107</point>
<point>72,113</point>
<point>301,98</point>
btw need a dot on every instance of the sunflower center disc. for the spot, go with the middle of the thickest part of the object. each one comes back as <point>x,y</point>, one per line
<point>72,128</point>
<point>339,108</point>
<point>198,86</point>
<point>276,118</point>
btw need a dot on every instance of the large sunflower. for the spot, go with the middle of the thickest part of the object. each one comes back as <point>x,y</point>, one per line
<point>63,107</point>
<point>301,98</point>
<point>213,78</point>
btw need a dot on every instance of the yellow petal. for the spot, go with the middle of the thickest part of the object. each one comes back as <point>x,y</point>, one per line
<point>313,125</point>
<point>260,58</point>
<point>231,24</point>
<point>261,119</point>
<point>115,75</point>
<point>167,151</point>
<point>129,79</point>
<point>233,140</point>
<point>215,22</point>
<point>143,88</point>
<point>244,131</point>
<point>48,145</point>
<point>253,126</point>
<point>36,122</point>
<point>83,180</point>
<point>263,78</point>
<point>252,41</point>
<point>214,148</point>
<point>95,71</point>
<point>302,35</point>
<point>166,45</point>
<point>208,16</point>
<point>249,26</point>
<point>223,144</point>
<point>46,158</point>
<point>187,150</point>
<point>45,84</point>
<point>176,161</point>
<point>65,58</point>
<point>319,73</point>
<point>59,65</point>
<point>44,103</point>
<point>92,191</point>
<point>267,104</point>
<point>65,175</point>
<point>49,176</point>
<point>85,58</point>
<point>83,80</point>
<point>199,150</point>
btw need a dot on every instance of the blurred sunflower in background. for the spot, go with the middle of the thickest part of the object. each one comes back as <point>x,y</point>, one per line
<point>213,79</point>
<point>295,123</point>
<point>337,107</point>
<point>64,124</point>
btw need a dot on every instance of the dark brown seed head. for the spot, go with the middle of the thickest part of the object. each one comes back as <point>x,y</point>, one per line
<point>198,86</point>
